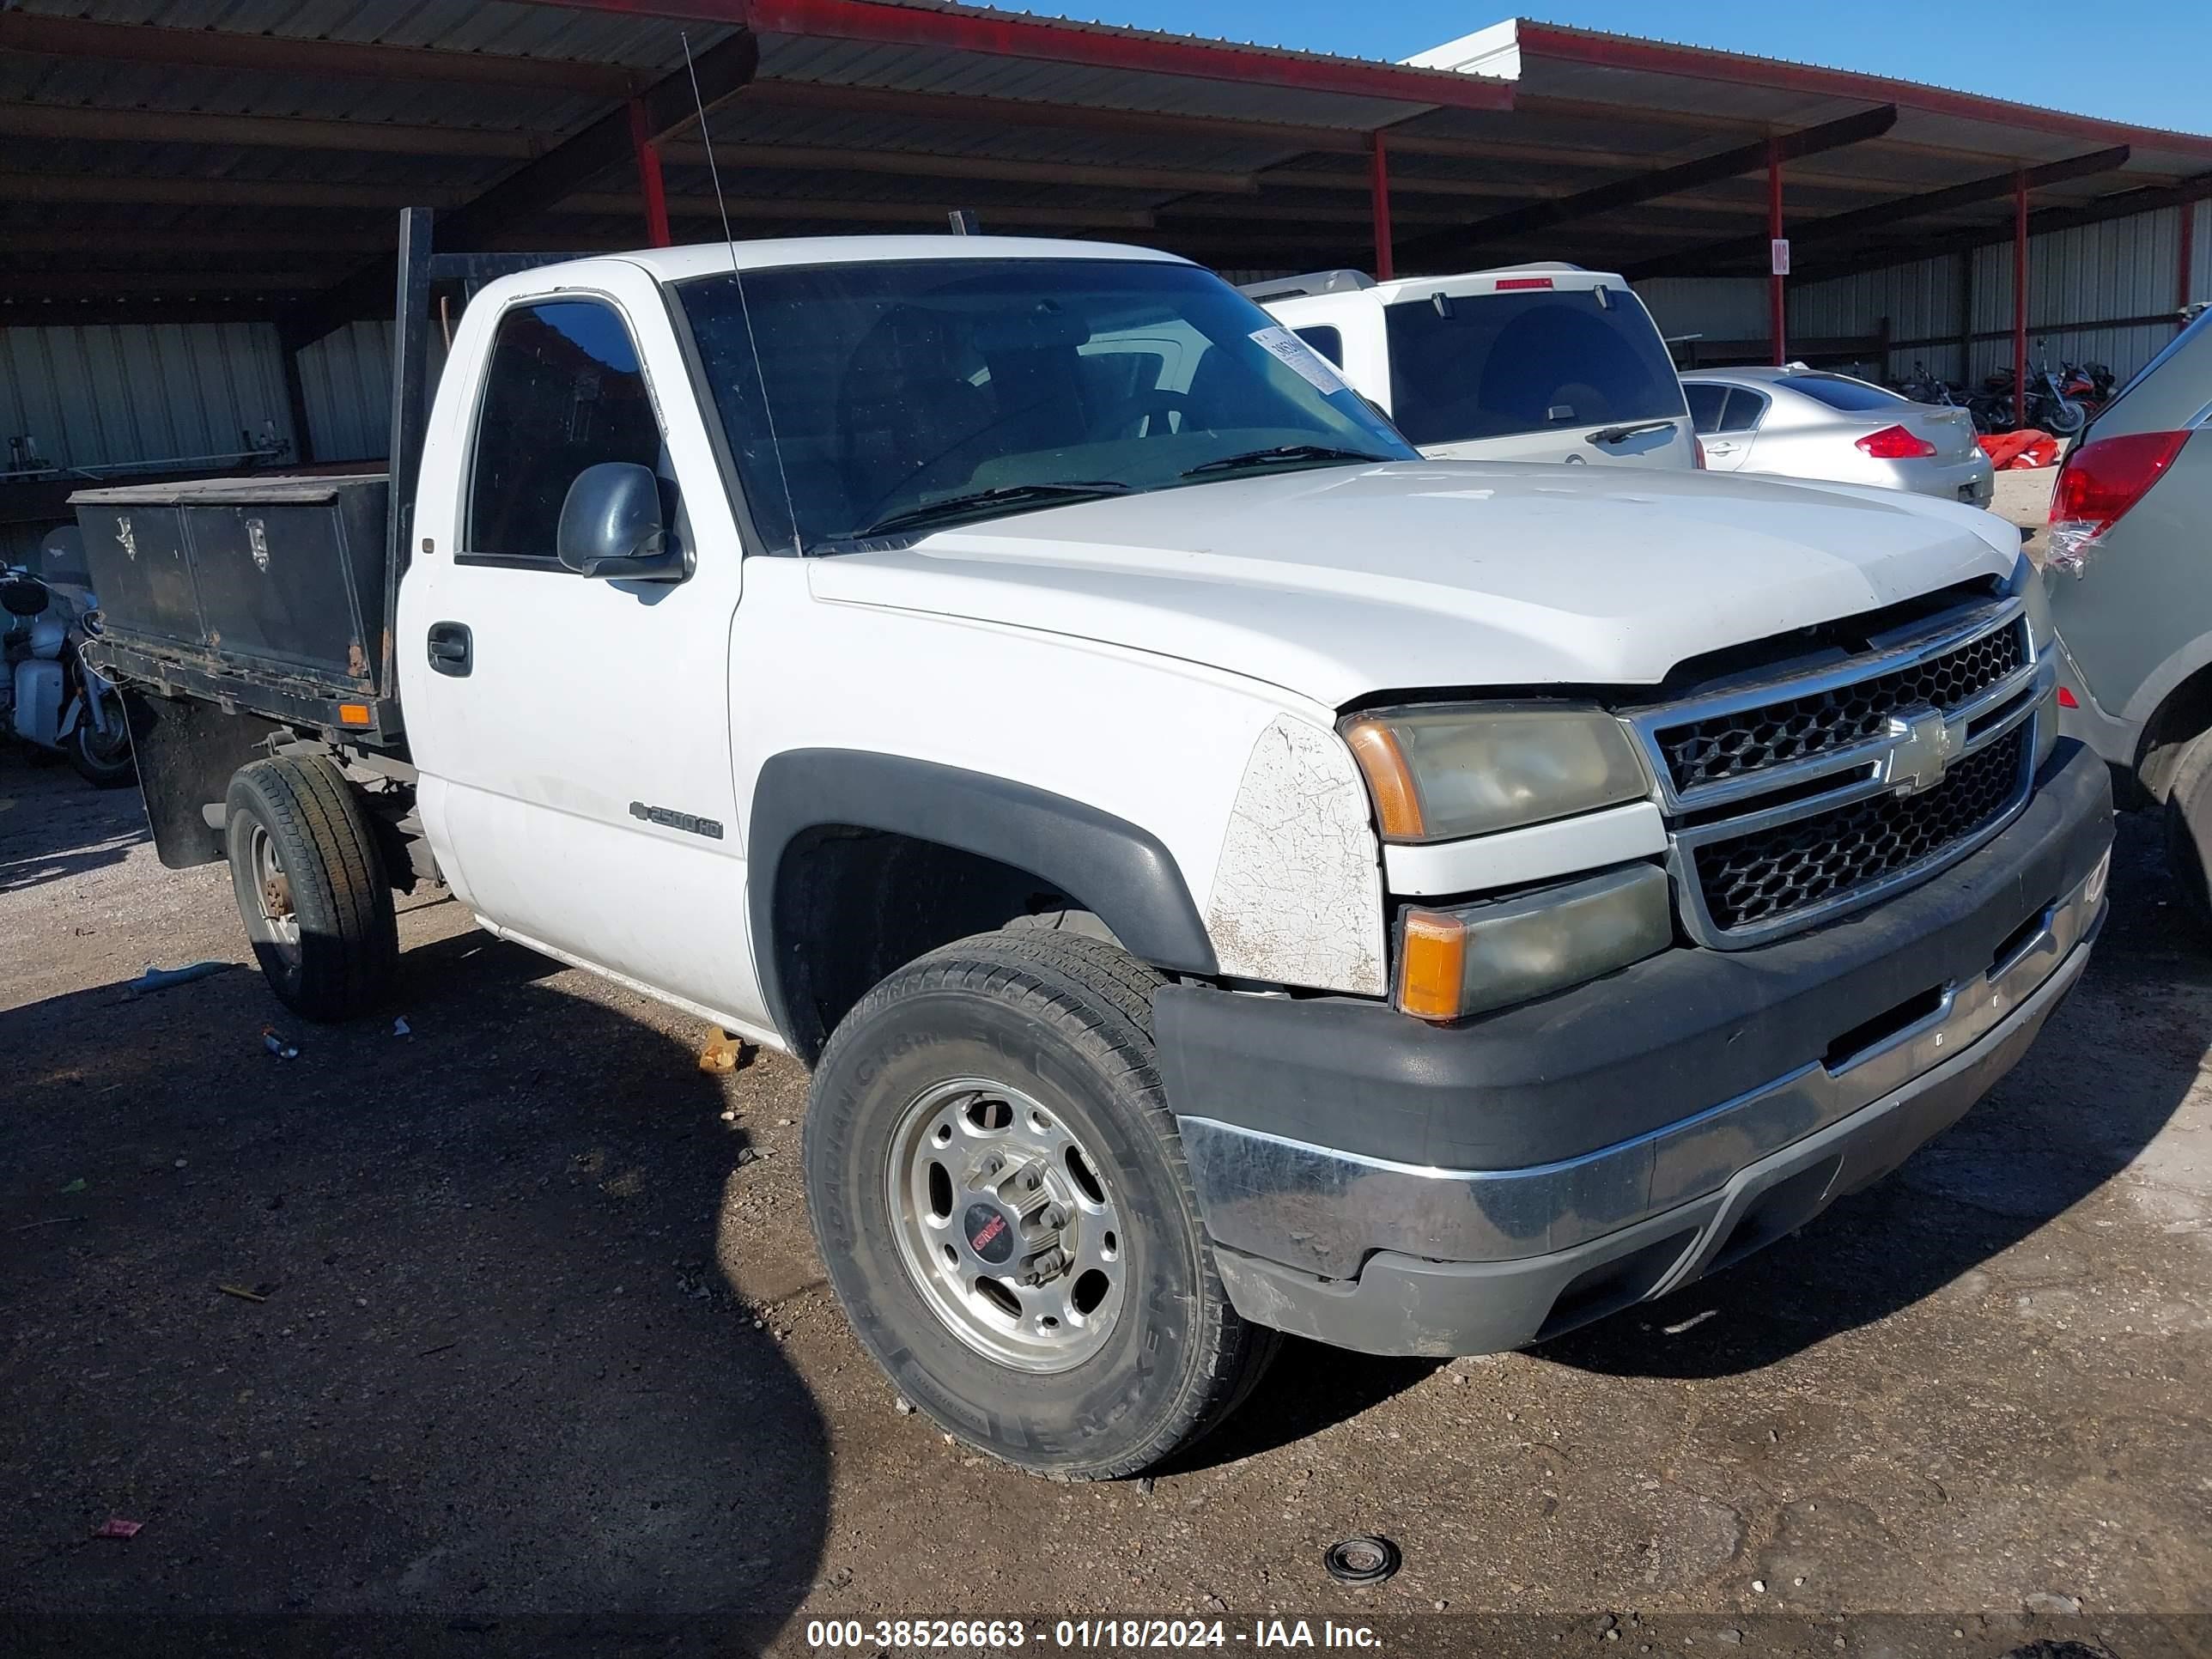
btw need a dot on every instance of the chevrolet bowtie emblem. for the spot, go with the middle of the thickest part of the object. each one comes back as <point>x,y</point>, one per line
<point>1922,748</point>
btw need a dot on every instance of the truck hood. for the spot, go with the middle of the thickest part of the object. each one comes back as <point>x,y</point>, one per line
<point>1340,582</point>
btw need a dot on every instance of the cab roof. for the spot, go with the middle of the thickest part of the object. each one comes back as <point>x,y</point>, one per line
<point>677,265</point>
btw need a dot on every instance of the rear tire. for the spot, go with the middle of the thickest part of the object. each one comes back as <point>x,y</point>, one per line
<point>2188,824</point>
<point>1005,1070</point>
<point>310,888</point>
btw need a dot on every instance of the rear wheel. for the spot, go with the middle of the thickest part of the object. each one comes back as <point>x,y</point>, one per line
<point>310,888</point>
<point>2188,815</point>
<point>997,1186</point>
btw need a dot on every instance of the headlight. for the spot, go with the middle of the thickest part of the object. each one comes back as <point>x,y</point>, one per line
<point>1439,773</point>
<point>1460,962</point>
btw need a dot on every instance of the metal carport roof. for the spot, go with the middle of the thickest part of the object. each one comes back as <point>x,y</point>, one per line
<point>180,158</point>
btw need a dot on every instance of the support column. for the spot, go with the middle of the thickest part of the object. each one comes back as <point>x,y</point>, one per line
<point>2185,278</point>
<point>1379,201</point>
<point>1777,305</point>
<point>2019,300</point>
<point>289,346</point>
<point>648,175</point>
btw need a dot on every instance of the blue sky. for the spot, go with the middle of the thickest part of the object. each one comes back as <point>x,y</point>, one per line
<point>2131,60</point>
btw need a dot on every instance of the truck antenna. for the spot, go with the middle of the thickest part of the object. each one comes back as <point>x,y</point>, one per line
<point>714,173</point>
<point>738,277</point>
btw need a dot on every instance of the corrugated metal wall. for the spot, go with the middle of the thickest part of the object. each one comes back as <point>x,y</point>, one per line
<point>347,377</point>
<point>1715,307</point>
<point>2091,274</point>
<point>96,395</point>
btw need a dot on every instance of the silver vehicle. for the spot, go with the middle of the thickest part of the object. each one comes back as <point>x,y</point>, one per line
<point>1809,424</point>
<point>2132,597</point>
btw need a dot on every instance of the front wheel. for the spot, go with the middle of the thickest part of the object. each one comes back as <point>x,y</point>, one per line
<point>103,758</point>
<point>999,1191</point>
<point>2064,418</point>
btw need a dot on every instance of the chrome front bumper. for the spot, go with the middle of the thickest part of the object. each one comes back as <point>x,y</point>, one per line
<point>1321,1211</point>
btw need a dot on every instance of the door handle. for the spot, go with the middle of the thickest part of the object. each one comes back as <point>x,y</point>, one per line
<point>452,649</point>
<point>1721,448</point>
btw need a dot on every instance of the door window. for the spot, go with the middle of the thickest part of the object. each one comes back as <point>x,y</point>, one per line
<point>1329,342</point>
<point>1706,402</point>
<point>1745,409</point>
<point>563,391</point>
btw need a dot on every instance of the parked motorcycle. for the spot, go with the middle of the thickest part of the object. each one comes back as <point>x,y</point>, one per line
<point>2049,408</point>
<point>1924,388</point>
<point>2089,385</point>
<point>48,696</point>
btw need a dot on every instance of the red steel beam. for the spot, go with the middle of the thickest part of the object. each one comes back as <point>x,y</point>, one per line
<point>2020,300</point>
<point>1379,187</point>
<point>649,184</point>
<point>1005,35</point>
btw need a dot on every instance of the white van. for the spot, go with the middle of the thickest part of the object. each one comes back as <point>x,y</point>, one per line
<point>1538,362</point>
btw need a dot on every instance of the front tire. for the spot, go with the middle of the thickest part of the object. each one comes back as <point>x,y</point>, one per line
<point>999,1191</point>
<point>310,888</point>
<point>105,761</point>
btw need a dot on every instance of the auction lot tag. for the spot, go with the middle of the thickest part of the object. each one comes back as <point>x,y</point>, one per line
<point>1311,366</point>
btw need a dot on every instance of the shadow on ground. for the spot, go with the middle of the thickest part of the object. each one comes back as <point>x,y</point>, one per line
<point>485,1366</point>
<point>53,824</point>
<point>2046,1138</point>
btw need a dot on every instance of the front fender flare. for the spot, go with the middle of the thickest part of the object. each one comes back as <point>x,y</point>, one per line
<point>1118,871</point>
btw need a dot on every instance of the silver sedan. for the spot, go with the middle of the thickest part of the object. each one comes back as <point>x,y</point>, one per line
<point>1809,424</point>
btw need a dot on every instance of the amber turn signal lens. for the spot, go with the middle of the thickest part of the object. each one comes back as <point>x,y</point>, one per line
<point>1432,965</point>
<point>353,713</point>
<point>1389,779</point>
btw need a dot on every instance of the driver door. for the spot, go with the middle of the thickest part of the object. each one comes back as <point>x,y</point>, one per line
<point>573,733</point>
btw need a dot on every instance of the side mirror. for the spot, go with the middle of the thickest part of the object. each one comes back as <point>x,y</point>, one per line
<point>611,525</point>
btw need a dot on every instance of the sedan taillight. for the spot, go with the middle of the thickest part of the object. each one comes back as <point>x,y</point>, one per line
<point>1895,443</point>
<point>2099,482</point>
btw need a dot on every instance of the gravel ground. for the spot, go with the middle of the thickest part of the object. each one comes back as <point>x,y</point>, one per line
<point>2023,494</point>
<point>529,1339</point>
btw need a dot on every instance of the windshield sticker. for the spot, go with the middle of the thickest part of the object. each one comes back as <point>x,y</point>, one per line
<point>1310,365</point>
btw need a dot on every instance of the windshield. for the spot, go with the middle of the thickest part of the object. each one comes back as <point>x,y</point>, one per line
<point>1493,366</point>
<point>883,398</point>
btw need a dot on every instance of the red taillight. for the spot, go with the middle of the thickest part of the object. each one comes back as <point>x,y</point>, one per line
<point>1508,285</point>
<point>2099,482</point>
<point>2067,699</point>
<point>1698,453</point>
<point>1895,443</point>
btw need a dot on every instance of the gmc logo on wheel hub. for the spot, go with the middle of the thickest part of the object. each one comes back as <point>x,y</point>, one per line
<point>989,1234</point>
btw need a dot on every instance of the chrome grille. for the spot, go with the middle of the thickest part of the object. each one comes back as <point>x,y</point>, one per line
<point>1772,874</point>
<point>1794,800</point>
<point>1746,740</point>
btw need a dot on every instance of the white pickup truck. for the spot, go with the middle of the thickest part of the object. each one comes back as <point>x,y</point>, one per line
<point>1227,874</point>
